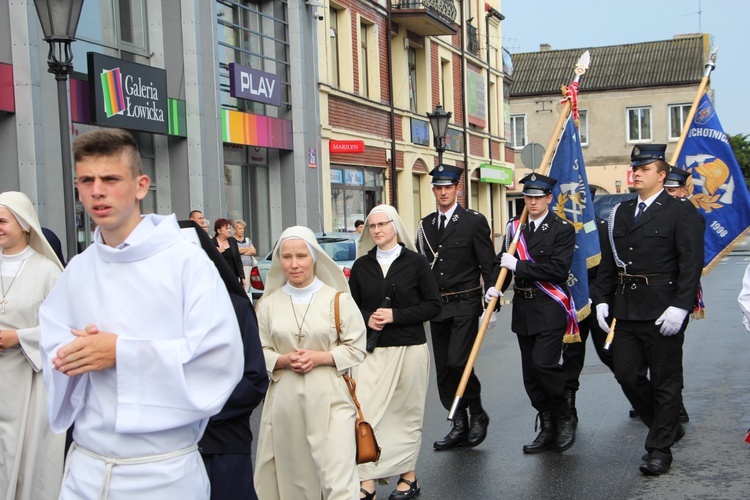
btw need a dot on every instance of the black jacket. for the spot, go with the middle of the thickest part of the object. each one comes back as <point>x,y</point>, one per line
<point>666,244</point>
<point>416,299</point>
<point>233,258</point>
<point>551,246</point>
<point>229,430</point>
<point>464,255</point>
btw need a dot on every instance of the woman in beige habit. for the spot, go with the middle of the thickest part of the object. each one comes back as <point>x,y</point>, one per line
<point>30,454</point>
<point>392,382</point>
<point>306,447</point>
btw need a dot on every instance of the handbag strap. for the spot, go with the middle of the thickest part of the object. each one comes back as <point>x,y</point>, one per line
<point>350,383</point>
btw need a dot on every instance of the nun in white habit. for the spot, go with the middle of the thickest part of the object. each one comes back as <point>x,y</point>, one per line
<point>30,453</point>
<point>392,382</point>
<point>306,446</point>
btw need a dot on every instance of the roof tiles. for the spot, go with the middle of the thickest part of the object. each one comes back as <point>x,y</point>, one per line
<point>649,64</point>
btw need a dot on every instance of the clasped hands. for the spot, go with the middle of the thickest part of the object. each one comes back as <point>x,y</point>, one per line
<point>381,317</point>
<point>303,361</point>
<point>670,320</point>
<point>92,350</point>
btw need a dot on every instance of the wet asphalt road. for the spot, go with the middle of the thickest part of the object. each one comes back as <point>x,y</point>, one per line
<point>711,462</point>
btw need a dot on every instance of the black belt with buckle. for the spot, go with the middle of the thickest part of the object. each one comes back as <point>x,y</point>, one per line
<point>646,279</point>
<point>446,297</point>
<point>527,293</point>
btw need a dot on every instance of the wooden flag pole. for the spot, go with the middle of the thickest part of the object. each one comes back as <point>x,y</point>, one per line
<point>581,67</point>
<point>710,66</point>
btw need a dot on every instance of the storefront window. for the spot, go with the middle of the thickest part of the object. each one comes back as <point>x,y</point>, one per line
<point>354,192</point>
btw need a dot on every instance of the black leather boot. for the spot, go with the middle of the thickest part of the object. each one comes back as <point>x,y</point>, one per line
<point>566,429</point>
<point>479,422</point>
<point>570,395</point>
<point>546,438</point>
<point>458,434</point>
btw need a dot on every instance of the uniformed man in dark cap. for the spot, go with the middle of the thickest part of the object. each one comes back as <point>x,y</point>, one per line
<point>457,243</point>
<point>541,315</point>
<point>650,273</point>
<point>676,182</point>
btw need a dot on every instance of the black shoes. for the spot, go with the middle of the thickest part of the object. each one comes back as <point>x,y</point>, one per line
<point>654,467</point>
<point>566,430</point>
<point>570,396</point>
<point>632,413</point>
<point>546,438</point>
<point>478,428</point>
<point>412,492</point>
<point>458,434</point>
<point>684,417</point>
<point>368,495</point>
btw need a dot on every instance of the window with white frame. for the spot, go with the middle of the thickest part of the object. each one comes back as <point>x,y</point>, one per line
<point>639,124</point>
<point>412,57</point>
<point>583,126</point>
<point>333,37</point>
<point>518,131</point>
<point>678,113</point>
<point>364,77</point>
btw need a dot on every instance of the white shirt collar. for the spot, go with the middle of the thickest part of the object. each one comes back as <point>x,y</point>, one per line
<point>648,201</point>
<point>447,214</point>
<point>538,219</point>
<point>303,295</point>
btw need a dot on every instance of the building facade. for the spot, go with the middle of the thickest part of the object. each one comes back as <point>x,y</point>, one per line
<point>634,93</point>
<point>383,66</point>
<point>235,118</point>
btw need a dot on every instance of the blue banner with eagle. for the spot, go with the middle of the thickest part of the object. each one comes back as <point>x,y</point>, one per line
<point>572,201</point>
<point>718,189</point>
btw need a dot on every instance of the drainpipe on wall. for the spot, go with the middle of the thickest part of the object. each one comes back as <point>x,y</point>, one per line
<point>394,177</point>
<point>467,181</point>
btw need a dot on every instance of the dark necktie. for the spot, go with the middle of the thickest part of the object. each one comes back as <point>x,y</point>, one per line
<point>441,227</point>
<point>532,227</point>
<point>641,208</point>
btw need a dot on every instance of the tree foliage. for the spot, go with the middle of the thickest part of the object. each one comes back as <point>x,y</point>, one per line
<point>741,147</point>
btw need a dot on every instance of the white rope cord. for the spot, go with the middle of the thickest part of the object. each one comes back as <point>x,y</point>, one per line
<point>110,463</point>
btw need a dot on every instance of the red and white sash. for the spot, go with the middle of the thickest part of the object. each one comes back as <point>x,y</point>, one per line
<point>553,290</point>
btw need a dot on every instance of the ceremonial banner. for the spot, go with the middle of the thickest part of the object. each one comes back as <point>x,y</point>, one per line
<point>718,189</point>
<point>571,200</point>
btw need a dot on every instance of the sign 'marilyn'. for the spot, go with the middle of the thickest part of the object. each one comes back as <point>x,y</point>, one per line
<point>127,95</point>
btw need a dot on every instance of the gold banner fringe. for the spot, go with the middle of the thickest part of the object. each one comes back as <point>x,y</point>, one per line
<point>583,312</point>
<point>571,339</point>
<point>701,314</point>
<point>593,261</point>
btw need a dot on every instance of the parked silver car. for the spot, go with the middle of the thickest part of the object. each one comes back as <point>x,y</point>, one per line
<point>342,247</point>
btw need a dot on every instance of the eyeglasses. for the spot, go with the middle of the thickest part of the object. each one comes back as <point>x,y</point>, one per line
<point>379,225</point>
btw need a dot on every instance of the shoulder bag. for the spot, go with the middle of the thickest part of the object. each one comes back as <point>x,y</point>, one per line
<point>367,446</point>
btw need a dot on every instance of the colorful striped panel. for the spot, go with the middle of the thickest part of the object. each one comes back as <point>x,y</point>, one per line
<point>255,130</point>
<point>177,118</point>
<point>79,101</point>
<point>114,99</point>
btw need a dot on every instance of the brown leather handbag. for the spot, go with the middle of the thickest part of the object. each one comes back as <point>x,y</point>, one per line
<point>367,445</point>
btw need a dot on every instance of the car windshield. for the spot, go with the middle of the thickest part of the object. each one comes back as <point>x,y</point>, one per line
<point>339,249</point>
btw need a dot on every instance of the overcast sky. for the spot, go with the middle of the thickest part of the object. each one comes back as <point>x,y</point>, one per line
<point>595,23</point>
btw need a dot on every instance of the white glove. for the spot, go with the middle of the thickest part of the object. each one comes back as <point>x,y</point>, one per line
<point>671,320</point>
<point>745,323</point>
<point>507,260</point>
<point>492,292</point>
<point>493,319</point>
<point>602,311</point>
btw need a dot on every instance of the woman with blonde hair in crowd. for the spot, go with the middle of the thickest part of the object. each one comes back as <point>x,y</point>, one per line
<point>306,445</point>
<point>396,293</point>
<point>30,454</point>
<point>246,249</point>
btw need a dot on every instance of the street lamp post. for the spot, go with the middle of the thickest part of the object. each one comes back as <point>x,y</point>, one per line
<point>439,119</point>
<point>59,19</point>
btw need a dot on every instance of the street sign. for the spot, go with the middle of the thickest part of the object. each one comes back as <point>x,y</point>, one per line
<point>531,155</point>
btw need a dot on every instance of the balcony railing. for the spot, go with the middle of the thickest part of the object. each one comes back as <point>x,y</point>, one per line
<point>425,17</point>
